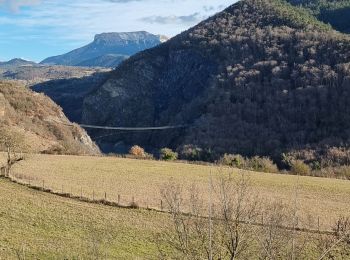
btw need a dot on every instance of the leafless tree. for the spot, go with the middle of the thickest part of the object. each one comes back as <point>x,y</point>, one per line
<point>238,209</point>
<point>225,233</point>
<point>13,144</point>
<point>239,225</point>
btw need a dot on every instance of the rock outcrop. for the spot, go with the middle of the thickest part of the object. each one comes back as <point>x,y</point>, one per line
<point>107,50</point>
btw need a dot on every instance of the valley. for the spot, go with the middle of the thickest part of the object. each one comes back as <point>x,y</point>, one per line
<point>229,139</point>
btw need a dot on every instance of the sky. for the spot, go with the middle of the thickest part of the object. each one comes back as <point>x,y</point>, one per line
<point>37,29</point>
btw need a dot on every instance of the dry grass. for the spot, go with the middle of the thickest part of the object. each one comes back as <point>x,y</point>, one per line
<point>143,180</point>
<point>43,226</point>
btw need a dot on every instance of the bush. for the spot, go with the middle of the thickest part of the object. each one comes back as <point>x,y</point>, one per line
<point>233,160</point>
<point>258,164</point>
<point>298,167</point>
<point>341,172</point>
<point>191,153</point>
<point>261,164</point>
<point>137,151</point>
<point>168,154</point>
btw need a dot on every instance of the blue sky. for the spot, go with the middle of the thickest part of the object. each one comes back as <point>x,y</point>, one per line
<point>36,29</point>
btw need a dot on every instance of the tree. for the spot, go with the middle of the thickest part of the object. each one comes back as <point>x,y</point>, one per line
<point>13,144</point>
<point>168,154</point>
<point>239,225</point>
<point>137,151</point>
<point>225,234</point>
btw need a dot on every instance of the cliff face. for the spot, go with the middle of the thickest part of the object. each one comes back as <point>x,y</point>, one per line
<point>262,77</point>
<point>107,50</point>
<point>41,122</point>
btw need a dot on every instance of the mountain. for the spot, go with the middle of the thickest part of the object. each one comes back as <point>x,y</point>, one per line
<point>41,122</point>
<point>107,49</point>
<point>333,12</point>
<point>16,63</point>
<point>29,73</point>
<point>108,60</point>
<point>263,77</point>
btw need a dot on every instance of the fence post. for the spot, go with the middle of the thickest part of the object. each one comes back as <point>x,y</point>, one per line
<point>93,195</point>
<point>161,205</point>
<point>118,199</point>
<point>81,192</point>
<point>105,196</point>
<point>262,219</point>
<point>297,222</point>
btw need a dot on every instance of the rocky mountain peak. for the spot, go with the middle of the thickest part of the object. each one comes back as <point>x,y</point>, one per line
<point>98,53</point>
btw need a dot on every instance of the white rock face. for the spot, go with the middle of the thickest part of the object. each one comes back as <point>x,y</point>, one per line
<point>107,47</point>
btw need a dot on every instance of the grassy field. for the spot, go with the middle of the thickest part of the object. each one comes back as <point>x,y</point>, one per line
<point>37,225</point>
<point>143,180</point>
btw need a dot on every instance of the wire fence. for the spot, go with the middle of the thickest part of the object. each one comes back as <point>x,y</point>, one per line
<point>131,202</point>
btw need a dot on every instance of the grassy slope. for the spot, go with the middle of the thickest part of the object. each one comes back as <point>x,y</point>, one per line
<point>45,226</point>
<point>326,198</point>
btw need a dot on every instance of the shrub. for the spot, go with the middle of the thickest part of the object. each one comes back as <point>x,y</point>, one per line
<point>341,172</point>
<point>233,160</point>
<point>168,154</point>
<point>137,151</point>
<point>300,168</point>
<point>261,164</point>
<point>191,153</point>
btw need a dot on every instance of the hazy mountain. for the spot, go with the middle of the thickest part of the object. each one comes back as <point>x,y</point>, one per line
<point>107,49</point>
<point>262,77</point>
<point>16,63</point>
<point>42,123</point>
<point>30,73</point>
<point>108,60</point>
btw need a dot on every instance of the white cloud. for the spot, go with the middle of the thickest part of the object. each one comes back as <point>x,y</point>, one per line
<point>79,20</point>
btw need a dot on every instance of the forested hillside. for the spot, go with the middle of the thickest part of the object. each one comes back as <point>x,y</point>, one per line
<point>333,12</point>
<point>260,78</point>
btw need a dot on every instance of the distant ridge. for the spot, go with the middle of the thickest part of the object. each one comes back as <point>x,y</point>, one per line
<point>16,63</point>
<point>108,49</point>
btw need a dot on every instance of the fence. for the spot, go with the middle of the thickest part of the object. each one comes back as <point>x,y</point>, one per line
<point>130,202</point>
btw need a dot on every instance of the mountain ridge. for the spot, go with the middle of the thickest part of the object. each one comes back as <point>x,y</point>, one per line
<point>121,44</point>
<point>16,62</point>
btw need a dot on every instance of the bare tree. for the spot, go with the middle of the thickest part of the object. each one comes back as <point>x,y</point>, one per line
<point>272,239</point>
<point>189,234</point>
<point>340,243</point>
<point>225,233</point>
<point>232,228</point>
<point>238,209</point>
<point>13,144</point>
